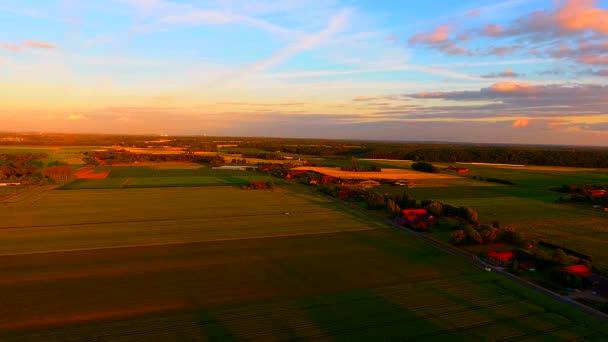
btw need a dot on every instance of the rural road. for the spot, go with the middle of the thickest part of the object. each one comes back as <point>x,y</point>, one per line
<point>477,262</point>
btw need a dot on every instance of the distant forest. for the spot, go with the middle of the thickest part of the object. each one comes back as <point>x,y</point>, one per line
<point>274,148</point>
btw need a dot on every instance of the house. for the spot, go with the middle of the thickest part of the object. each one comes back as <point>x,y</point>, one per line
<point>597,193</point>
<point>579,270</point>
<point>501,258</point>
<point>418,219</point>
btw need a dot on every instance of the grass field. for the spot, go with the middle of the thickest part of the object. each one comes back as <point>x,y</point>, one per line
<point>151,177</point>
<point>219,263</point>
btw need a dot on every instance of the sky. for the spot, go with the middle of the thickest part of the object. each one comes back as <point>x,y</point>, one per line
<point>510,71</point>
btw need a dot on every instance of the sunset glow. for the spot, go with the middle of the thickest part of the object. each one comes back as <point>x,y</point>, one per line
<point>511,71</point>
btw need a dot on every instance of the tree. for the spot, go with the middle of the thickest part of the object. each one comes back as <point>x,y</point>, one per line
<point>458,236</point>
<point>489,234</point>
<point>435,208</point>
<point>472,216</point>
<point>473,235</point>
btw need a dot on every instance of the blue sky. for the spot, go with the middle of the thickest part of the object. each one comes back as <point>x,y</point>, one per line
<point>531,71</point>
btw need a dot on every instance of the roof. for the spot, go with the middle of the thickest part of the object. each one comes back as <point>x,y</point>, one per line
<point>597,192</point>
<point>580,270</point>
<point>504,256</point>
<point>414,212</point>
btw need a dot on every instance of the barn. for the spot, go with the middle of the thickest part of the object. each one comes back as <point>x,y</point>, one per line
<point>418,219</point>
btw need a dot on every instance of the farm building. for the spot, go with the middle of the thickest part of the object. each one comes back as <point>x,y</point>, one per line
<point>598,193</point>
<point>368,183</point>
<point>418,219</point>
<point>10,183</point>
<point>590,278</point>
<point>501,258</point>
<point>458,169</point>
<point>295,173</point>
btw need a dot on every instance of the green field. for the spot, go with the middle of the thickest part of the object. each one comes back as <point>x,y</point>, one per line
<point>152,177</point>
<point>220,263</point>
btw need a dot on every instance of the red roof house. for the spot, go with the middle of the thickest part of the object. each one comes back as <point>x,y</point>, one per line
<point>598,193</point>
<point>415,212</point>
<point>500,258</point>
<point>579,270</point>
<point>417,218</point>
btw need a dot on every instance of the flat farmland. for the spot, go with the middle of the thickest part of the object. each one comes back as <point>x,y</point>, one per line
<point>219,263</point>
<point>87,219</point>
<point>384,174</point>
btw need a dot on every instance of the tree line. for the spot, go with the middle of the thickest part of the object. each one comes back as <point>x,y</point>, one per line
<point>126,157</point>
<point>499,155</point>
<point>30,168</point>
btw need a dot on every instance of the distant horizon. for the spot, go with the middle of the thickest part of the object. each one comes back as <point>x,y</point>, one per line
<point>430,142</point>
<point>508,71</point>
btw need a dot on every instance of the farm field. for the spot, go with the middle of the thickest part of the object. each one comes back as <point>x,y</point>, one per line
<point>395,174</point>
<point>531,207</point>
<point>165,268</point>
<point>173,176</point>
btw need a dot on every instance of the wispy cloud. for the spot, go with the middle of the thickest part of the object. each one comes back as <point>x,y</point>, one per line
<point>38,44</point>
<point>336,24</point>
<point>27,44</point>
<point>508,73</point>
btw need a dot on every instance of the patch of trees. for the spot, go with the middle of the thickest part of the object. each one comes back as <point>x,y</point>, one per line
<point>6,157</point>
<point>256,185</point>
<point>425,167</point>
<point>123,156</point>
<point>262,155</point>
<point>354,167</point>
<point>57,172</point>
<point>493,180</point>
<point>485,234</point>
<point>583,194</point>
<point>21,166</point>
<point>566,250</point>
